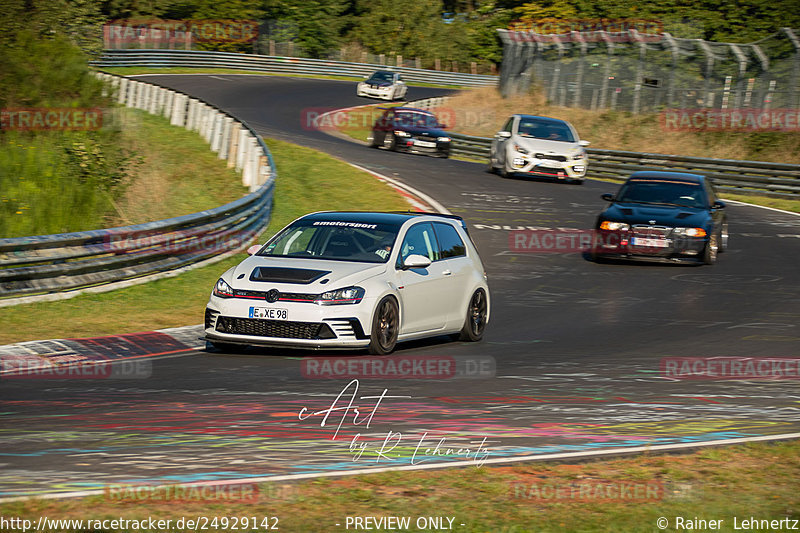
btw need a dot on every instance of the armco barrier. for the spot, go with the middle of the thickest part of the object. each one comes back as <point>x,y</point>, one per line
<point>50,263</point>
<point>280,65</point>
<point>771,179</point>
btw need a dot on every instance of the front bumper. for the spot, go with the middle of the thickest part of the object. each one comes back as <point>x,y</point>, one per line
<point>527,165</point>
<point>422,146</point>
<point>375,92</point>
<point>649,243</point>
<point>308,325</point>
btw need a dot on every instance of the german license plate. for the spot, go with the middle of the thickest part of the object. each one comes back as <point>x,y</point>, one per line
<point>649,243</point>
<point>269,313</point>
<point>425,144</point>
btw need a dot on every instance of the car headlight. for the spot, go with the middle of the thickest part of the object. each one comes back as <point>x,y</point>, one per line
<point>222,289</point>
<point>443,139</point>
<point>520,149</point>
<point>690,232</point>
<point>614,226</point>
<point>348,295</point>
<point>401,133</point>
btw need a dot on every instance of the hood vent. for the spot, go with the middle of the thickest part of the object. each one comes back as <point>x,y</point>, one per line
<point>302,276</point>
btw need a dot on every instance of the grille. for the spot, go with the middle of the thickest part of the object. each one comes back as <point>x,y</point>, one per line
<point>211,316</point>
<point>552,157</point>
<point>343,328</point>
<point>283,329</point>
<point>652,232</point>
<point>284,296</point>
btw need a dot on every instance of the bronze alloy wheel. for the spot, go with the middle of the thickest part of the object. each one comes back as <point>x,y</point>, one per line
<point>385,327</point>
<point>475,323</point>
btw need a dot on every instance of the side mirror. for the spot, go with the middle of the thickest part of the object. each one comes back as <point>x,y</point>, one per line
<point>584,143</point>
<point>504,134</point>
<point>608,197</point>
<point>443,126</point>
<point>416,261</point>
<point>718,205</point>
<point>253,250</point>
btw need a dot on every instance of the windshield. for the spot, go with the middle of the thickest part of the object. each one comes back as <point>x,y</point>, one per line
<point>545,129</point>
<point>334,239</point>
<point>415,119</point>
<point>381,76</point>
<point>670,192</point>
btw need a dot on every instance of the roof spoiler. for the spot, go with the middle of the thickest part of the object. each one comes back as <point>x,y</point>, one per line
<point>442,215</point>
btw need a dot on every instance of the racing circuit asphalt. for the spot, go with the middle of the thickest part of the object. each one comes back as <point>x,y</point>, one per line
<point>577,345</point>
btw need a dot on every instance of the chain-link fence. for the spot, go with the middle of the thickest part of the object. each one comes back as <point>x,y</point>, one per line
<point>644,72</point>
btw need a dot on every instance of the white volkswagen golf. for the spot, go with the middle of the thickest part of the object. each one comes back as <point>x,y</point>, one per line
<point>353,280</point>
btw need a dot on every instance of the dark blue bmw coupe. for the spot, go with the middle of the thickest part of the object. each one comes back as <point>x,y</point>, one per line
<point>664,216</point>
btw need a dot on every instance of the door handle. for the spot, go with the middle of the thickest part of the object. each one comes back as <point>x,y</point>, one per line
<point>446,273</point>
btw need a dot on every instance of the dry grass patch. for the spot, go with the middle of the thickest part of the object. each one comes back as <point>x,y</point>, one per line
<point>483,112</point>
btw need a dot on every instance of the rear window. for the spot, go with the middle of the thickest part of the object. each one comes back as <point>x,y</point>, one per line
<point>450,243</point>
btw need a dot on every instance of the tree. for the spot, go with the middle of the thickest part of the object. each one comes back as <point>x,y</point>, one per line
<point>315,24</point>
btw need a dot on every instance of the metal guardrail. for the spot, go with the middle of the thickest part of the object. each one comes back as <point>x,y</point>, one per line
<point>284,65</point>
<point>762,177</point>
<point>50,263</point>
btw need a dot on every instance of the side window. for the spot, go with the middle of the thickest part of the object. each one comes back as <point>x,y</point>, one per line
<point>509,124</point>
<point>419,240</point>
<point>450,242</point>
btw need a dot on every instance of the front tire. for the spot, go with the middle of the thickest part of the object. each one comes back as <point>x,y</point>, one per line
<point>724,236</point>
<point>490,168</point>
<point>385,327</point>
<point>475,322</point>
<point>711,250</point>
<point>390,142</point>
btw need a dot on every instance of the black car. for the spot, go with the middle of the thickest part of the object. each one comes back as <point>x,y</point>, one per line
<point>410,130</point>
<point>666,216</point>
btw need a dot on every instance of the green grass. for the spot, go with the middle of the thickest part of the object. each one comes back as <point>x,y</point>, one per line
<point>55,182</point>
<point>47,188</point>
<point>754,480</point>
<point>174,178</point>
<point>308,181</point>
<point>134,71</point>
<point>787,204</point>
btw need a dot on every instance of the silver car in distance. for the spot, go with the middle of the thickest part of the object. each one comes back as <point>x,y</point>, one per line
<point>539,146</point>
